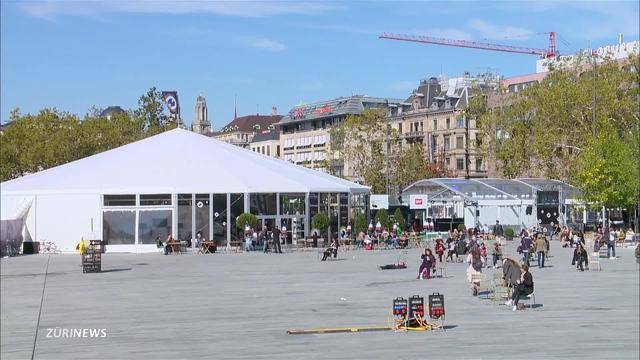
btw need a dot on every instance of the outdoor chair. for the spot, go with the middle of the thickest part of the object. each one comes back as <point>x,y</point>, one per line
<point>441,270</point>
<point>531,299</point>
<point>594,262</point>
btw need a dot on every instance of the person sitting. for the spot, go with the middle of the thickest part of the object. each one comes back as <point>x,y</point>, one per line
<point>331,250</point>
<point>524,287</point>
<point>580,256</point>
<point>168,247</point>
<point>428,263</point>
<point>368,243</point>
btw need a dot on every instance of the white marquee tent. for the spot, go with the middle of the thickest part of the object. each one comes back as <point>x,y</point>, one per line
<point>65,202</point>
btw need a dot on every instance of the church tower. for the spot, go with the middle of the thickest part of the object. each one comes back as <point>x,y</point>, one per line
<point>201,124</point>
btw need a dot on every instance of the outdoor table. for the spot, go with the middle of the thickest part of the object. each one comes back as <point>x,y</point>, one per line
<point>206,246</point>
<point>174,246</point>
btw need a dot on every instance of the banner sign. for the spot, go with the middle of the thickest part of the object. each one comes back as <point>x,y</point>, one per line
<point>170,99</point>
<point>418,202</point>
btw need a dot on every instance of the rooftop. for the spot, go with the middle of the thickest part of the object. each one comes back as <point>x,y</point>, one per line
<point>266,136</point>
<point>249,123</point>
<point>355,104</point>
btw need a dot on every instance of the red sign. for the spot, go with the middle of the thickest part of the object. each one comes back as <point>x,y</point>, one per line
<point>323,110</point>
<point>298,113</point>
<point>418,201</point>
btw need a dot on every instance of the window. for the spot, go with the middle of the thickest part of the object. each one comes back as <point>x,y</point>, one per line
<point>278,150</point>
<point>263,204</point>
<point>448,122</point>
<point>220,218</point>
<point>435,124</point>
<point>460,122</point>
<point>421,126</point>
<point>152,225</point>
<point>400,128</point>
<point>478,164</point>
<point>155,200</point>
<point>268,150</point>
<point>236,207</point>
<point>184,216</point>
<point>459,164</point>
<point>119,200</point>
<point>447,143</point>
<point>459,142</point>
<point>119,227</point>
<point>292,204</point>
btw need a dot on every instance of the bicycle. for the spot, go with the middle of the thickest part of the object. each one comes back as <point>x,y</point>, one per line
<point>50,248</point>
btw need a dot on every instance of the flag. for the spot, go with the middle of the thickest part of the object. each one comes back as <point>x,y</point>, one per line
<point>170,99</point>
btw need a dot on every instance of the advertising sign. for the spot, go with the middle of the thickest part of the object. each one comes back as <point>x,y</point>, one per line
<point>418,202</point>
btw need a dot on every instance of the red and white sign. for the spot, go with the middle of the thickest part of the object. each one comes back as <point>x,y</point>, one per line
<point>417,201</point>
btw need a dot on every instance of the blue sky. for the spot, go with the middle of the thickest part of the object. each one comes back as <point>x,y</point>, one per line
<point>73,54</point>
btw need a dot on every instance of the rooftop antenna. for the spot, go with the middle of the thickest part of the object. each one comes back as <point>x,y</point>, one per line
<point>235,106</point>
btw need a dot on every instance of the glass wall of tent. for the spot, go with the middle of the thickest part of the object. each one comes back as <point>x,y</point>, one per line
<point>146,219</point>
<point>517,202</point>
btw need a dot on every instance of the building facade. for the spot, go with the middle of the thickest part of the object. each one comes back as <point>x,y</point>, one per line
<point>267,143</point>
<point>304,131</point>
<point>201,124</point>
<point>433,116</point>
<point>241,130</point>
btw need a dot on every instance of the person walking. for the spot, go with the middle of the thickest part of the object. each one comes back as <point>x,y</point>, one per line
<point>580,256</point>
<point>276,241</point>
<point>439,249</point>
<point>525,245</point>
<point>428,263</point>
<point>496,253</point>
<point>475,267</point>
<point>610,239</point>
<point>541,249</point>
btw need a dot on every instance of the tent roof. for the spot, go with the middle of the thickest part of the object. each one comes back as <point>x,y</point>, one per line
<point>482,189</point>
<point>178,161</point>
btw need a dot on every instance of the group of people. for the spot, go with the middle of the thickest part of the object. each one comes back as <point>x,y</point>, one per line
<point>169,245</point>
<point>534,242</point>
<point>264,237</point>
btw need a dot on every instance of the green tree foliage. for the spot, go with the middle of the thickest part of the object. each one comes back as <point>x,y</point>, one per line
<point>399,219</point>
<point>360,223</point>
<point>245,219</point>
<point>549,130</point>
<point>150,111</point>
<point>320,221</point>
<point>32,143</point>
<point>410,166</point>
<point>382,217</point>
<point>362,139</point>
<point>607,170</point>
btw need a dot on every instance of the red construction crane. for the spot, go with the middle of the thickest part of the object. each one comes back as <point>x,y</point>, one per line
<point>544,53</point>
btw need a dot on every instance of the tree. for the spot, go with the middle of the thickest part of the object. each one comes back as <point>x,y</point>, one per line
<point>542,130</point>
<point>608,169</point>
<point>360,223</point>
<point>398,218</point>
<point>410,166</point>
<point>382,217</point>
<point>320,222</point>
<point>150,111</point>
<point>246,219</point>
<point>360,142</point>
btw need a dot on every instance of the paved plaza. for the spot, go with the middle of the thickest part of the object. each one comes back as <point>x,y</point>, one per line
<point>239,306</point>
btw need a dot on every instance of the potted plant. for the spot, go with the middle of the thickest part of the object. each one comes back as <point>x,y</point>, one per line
<point>246,219</point>
<point>321,223</point>
<point>509,233</point>
<point>359,224</point>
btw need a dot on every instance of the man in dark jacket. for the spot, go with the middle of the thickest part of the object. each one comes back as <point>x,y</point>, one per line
<point>276,241</point>
<point>498,230</point>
